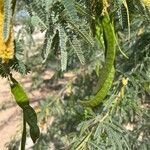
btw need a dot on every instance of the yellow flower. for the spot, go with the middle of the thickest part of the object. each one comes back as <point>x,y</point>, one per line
<point>6,48</point>
<point>125,81</point>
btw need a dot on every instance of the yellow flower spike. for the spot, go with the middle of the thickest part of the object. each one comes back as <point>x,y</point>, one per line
<point>122,91</point>
<point>105,6</point>
<point>47,112</point>
<point>6,48</point>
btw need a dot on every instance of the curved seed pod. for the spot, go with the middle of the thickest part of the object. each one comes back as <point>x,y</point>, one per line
<point>34,133</point>
<point>19,93</point>
<point>31,119</point>
<point>29,114</point>
<point>96,100</point>
<point>110,48</point>
<point>107,74</point>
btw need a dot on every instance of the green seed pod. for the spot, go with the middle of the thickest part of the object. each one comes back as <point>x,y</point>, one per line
<point>19,93</point>
<point>34,133</point>
<point>107,74</point>
<point>99,97</point>
<point>31,119</point>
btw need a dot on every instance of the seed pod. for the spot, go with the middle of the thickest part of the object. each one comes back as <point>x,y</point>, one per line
<point>107,74</point>
<point>29,113</point>
<point>6,48</point>
<point>19,94</point>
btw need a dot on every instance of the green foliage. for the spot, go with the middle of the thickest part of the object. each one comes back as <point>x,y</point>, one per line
<point>55,22</point>
<point>77,47</point>
<point>62,43</point>
<point>71,10</point>
<point>71,28</point>
<point>7,18</point>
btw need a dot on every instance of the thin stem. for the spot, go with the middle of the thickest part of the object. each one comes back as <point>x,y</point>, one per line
<point>23,140</point>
